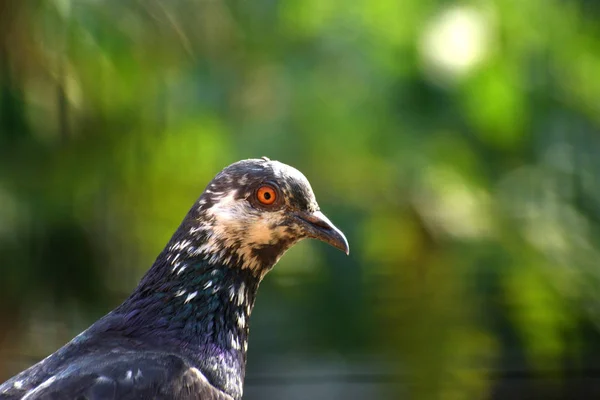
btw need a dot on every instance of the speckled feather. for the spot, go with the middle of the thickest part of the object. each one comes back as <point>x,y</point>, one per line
<point>183,332</point>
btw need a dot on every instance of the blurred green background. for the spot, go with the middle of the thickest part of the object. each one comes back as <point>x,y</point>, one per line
<point>456,143</point>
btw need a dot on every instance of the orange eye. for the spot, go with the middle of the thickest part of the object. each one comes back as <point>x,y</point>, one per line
<point>266,195</point>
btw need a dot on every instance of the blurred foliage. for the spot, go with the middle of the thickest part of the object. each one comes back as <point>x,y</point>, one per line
<point>456,143</point>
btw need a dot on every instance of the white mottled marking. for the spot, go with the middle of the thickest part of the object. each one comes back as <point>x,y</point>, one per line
<point>241,294</point>
<point>190,297</point>
<point>39,388</point>
<point>208,284</point>
<point>241,320</point>
<point>129,375</point>
<point>175,266</point>
<point>232,222</point>
<point>234,341</point>
<point>18,385</point>
<point>180,293</point>
<point>181,269</point>
<point>139,374</point>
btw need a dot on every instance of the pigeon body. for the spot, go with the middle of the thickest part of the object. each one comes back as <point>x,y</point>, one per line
<point>183,332</point>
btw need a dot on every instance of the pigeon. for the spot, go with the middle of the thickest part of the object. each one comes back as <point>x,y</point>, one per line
<point>183,332</point>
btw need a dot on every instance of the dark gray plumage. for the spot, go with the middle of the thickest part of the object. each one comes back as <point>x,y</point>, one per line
<point>182,334</point>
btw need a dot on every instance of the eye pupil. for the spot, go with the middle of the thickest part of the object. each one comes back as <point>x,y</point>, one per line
<point>267,195</point>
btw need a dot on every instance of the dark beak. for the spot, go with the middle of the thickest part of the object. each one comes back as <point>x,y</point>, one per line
<point>318,226</point>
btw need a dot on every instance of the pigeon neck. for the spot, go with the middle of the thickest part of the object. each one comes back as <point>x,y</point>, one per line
<point>199,307</point>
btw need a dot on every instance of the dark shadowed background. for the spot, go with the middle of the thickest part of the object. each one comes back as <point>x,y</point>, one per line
<point>457,144</point>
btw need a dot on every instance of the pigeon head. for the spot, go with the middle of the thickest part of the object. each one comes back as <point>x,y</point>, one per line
<point>253,211</point>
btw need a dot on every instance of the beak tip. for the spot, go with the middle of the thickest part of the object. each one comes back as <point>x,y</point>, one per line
<point>346,248</point>
<point>342,243</point>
